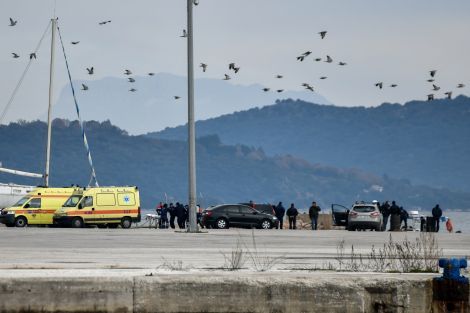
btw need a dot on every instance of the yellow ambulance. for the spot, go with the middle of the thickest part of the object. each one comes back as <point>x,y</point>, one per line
<point>37,207</point>
<point>101,206</point>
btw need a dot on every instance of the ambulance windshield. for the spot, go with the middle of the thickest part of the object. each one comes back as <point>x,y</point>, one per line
<point>21,201</point>
<point>72,201</point>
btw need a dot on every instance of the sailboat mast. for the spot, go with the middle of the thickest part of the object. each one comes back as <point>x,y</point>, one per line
<point>49,111</point>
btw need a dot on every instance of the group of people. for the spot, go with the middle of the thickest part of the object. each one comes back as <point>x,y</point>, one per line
<point>178,212</point>
<point>292,214</point>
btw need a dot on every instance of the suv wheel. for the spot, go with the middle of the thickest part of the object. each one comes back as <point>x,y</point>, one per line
<point>21,221</point>
<point>77,222</point>
<point>126,222</point>
<point>266,224</point>
<point>221,223</point>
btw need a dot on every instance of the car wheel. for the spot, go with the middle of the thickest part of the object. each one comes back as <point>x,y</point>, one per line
<point>77,222</point>
<point>266,224</point>
<point>113,226</point>
<point>21,221</point>
<point>126,222</point>
<point>221,223</point>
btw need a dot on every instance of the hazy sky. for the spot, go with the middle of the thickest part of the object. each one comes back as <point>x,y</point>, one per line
<point>395,41</point>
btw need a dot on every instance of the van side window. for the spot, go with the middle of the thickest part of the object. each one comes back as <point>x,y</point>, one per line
<point>126,199</point>
<point>88,201</point>
<point>35,203</point>
<point>105,199</point>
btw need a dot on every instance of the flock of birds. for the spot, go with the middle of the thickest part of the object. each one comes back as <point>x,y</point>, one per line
<point>233,67</point>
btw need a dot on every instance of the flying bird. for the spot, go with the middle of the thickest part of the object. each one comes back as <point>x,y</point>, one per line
<point>328,59</point>
<point>448,94</point>
<point>322,34</point>
<point>265,89</point>
<point>342,63</point>
<point>84,87</point>
<point>204,66</point>
<point>318,59</point>
<point>75,42</point>
<point>127,72</point>
<point>460,85</point>
<point>236,69</point>
<point>177,97</point>
<point>279,76</point>
<point>323,77</point>
<point>301,58</point>
<point>226,77</point>
<point>430,97</point>
<point>132,90</point>
<point>231,66</point>
<point>432,73</point>
<point>309,88</point>
<point>32,55</point>
<point>131,80</point>
<point>104,22</point>
<point>305,84</point>
<point>380,85</point>
<point>185,34</point>
<point>435,88</point>
<point>12,22</point>
<point>90,70</point>
<point>393,85</point>
<point>280,90</point>
<point>430,80</point>
<point>15,55</point>
<point>151,74</point>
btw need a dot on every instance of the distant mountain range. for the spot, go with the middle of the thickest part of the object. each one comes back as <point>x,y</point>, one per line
<point>225,173</point>
<point>425,142</point>
<point>153,106</point>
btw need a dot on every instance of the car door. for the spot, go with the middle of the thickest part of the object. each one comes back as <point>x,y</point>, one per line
<point>32,211</point>
<point>340,214</point>
<point>233,215</point>
<point>249,216</point>
<point>86,209</point>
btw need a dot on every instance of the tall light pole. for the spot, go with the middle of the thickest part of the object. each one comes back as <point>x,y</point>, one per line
<point>49,110</point>
<point>191,128</point>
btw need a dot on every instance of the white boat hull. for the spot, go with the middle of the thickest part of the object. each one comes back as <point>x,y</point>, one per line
<point>11,193</point>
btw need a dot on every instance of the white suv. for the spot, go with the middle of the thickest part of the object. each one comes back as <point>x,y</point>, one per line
<point>365,216</point>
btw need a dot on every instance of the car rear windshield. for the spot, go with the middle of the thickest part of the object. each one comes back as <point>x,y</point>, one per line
<point>364,209</point>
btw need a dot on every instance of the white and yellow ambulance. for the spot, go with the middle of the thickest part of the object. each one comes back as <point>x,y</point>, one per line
<point>101,206</point>
<point>37,207</point>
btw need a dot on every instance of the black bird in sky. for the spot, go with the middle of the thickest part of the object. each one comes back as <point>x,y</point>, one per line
<point>104,22</point>
<point>236,69</point>
<point>132,90</point>
<point>329,59</point>
<point>75,42</point>
<point>15,55</point>
<point>432,73</point>
<point>430,97</point>
<point>279,76</point>
<point>226,77</point>
<point>430,80</point>
<point>435,88</point>
<point>317,59</point>
<point>32,55</point>
<point>12,22</point>
<point>280,90</point>
<point>231,66</point>
<point>342,63</point>
<point>460,85</point>
<point>177,97</point>
<point>185,34</point>
<point>127,72</point>
<point>265,89</point>
<point>309,88</point>
<point>90,70</point>
<point>204,66</point>
<point>84,87</point>
<point>393,85</point>
<point>151,74</point>
<point>323,77</point>
<point>380,85</point>
<point>448,94</point>
<point>131,80</point>
<point>322,34</point>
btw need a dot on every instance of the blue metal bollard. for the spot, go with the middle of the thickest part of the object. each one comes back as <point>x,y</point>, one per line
<point>452,269</point>
<point>451,290</point>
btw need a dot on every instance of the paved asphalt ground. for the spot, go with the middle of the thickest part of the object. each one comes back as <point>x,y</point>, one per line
<point>91,250</point>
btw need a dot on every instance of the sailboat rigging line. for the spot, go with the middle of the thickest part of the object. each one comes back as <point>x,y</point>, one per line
<point>4,112</point>
<point>82,125</point>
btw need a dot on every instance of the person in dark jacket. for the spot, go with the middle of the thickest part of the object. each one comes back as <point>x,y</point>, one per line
<point>404,217</point>
<point>395,213</point>
<point>172,211</point>
<point>292,213</point>
<point>385,210</point>
<point>313,213</point>
<point>280,212</point>
<point>436,214</point>
<point>180,215</point>
<point>164,216</point>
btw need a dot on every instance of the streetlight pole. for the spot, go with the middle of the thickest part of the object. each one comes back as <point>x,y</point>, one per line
<point>191,128</point>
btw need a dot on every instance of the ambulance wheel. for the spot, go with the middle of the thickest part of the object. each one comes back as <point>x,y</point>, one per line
<point>102,226</point>
<point>77,222</point>
<point>113,226</point>
<point>126,222</point>
<point>21,221</point>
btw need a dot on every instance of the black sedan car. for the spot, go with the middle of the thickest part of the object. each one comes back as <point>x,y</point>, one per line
<point>236,215</point>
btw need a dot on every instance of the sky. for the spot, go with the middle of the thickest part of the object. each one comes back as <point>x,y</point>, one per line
<point>395,42</point>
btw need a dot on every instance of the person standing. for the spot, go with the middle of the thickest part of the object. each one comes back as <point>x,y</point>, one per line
<point>313,212</point>
<point>280,212</point>
<point>180,215</point>
<point>172,211</point>
<point>385,210</point>
<point>404,217</point>
<point>436,214</point>
<point>395,217</point>
<point>164,216</point>
<point>292,213</point>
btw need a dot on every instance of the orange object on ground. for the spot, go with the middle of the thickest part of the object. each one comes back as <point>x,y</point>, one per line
<point>449,226</point>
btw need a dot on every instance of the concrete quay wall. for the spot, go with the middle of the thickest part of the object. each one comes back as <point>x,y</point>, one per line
<point>219,292</point>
